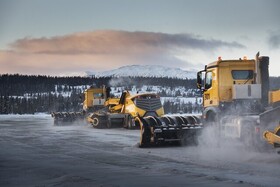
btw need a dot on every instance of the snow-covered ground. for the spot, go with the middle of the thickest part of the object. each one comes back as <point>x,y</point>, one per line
<point>36,153</point>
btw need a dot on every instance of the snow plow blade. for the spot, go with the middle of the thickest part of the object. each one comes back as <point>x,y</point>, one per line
<point>64,118</point>
<point>182,130</point>
<point>273,137</point>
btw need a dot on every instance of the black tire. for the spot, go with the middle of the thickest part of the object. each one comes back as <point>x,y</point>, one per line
<point>99,122</point>
<point>211,118</point>
<point>145,139</point>
<point>95,122</point>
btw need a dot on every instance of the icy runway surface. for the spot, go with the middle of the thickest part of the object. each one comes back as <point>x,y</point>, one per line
<point>33,152</point>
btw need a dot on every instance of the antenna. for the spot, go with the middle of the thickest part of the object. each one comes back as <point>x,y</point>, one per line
<point>257,69</point>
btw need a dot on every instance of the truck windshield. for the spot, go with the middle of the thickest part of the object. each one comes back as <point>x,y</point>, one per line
<point>98,95</point>
<point>242,74</point>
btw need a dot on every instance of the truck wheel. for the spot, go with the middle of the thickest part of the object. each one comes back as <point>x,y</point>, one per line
<point>99,121</point>
<point>95,122</point>
<point>145,137</point>
<point>211,118</point>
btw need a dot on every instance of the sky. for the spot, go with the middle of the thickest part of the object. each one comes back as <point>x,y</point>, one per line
<point>69,37</point>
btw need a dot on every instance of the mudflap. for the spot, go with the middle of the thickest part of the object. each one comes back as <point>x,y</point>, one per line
<point>169,130</point>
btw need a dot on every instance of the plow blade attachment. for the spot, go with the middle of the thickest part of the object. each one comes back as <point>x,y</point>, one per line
<point>273,137</point>
<point>182,130</point>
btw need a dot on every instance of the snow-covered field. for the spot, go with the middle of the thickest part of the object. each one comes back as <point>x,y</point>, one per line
<point>34,152</point>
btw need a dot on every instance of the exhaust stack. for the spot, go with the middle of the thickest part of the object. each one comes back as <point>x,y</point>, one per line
<point>264,78</point>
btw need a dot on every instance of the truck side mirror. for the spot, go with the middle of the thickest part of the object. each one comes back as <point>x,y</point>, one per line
<point>199,80</point>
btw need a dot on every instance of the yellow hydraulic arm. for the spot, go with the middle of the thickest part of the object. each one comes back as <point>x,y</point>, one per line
<point>273,137</point>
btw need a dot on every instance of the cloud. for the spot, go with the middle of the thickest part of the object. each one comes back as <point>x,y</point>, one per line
<point>274,40</point>
<point>116,42</point>
<point>104,50</point>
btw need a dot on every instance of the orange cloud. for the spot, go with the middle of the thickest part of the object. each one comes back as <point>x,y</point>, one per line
<point>100,50</point>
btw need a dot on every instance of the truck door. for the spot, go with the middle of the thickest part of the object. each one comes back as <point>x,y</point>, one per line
<point>210,91</point>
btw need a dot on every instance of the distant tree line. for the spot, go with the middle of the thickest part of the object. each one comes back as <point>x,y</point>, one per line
<point>175,107</point>
<point>20,84</point>
<point>20,94</point>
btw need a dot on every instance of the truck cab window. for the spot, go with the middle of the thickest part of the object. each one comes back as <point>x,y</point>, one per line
<point>242,74</point>
<point>97,95</point>
<point>208,80</point>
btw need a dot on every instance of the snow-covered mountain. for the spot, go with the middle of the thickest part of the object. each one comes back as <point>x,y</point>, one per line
<point>146,71</point>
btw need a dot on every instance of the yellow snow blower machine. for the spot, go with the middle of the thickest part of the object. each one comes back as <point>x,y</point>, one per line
<point>144,111</point>
<point>123,111</point>
<point>103,111</point>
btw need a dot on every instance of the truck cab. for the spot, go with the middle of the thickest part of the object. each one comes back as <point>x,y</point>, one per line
<point>94,98</point>
<point>234,87</point>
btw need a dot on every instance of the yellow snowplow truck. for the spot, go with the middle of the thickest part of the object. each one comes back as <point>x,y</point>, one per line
<point>94,99</point>
<point>237,100</point>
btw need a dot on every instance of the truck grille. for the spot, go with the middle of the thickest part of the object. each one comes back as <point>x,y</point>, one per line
<point>151,104</point>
